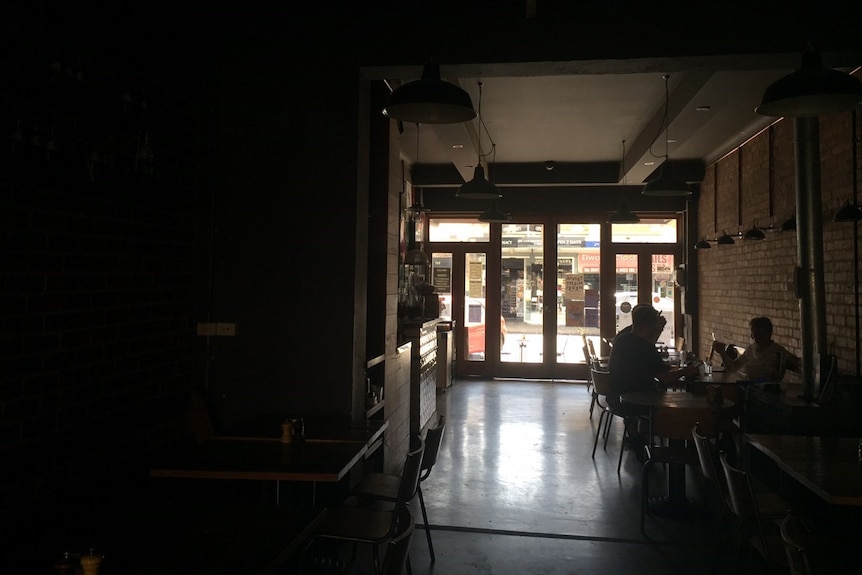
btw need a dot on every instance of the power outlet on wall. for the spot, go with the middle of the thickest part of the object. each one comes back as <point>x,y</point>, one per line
<point>216,329</point>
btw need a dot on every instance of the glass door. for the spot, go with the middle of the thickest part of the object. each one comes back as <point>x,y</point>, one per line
<point>549,286</point>
<point>644,257</point>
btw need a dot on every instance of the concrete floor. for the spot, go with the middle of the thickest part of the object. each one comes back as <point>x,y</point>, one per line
<point>515,491</point>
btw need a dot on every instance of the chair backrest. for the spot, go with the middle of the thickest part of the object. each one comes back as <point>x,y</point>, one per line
<point>601,381</point>
<point>399,545</point>
<point>743,502</point>
<point>676,423</point>
<point>793,534</point>
<point>707,455</point>
<point>433,438</point>
<point>410,474</point>
<point>593,355</point>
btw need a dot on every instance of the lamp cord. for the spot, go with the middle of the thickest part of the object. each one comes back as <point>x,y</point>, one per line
<point>482,125</point>
<point>665,122</point>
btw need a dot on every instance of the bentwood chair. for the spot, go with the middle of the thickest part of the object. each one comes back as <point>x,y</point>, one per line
<point>762,534</point>
<point>384,486</point>
<point>374,524</point>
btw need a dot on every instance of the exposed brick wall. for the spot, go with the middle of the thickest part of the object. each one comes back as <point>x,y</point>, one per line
<point>97,244</point>
<point>748,279</point>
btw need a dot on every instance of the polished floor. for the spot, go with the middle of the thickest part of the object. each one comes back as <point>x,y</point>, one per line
<point>516,491</point>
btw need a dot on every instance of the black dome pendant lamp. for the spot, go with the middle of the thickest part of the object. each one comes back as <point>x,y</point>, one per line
<point>811,90</point>
<point>479,188</point>
<point>666,183</point>
<point>430,100</point>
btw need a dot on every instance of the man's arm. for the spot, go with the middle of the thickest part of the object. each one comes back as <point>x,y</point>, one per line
<point>674,374</point>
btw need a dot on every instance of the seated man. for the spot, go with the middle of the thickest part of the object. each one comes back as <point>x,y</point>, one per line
<point>764,359</point>
<point>635,364</point>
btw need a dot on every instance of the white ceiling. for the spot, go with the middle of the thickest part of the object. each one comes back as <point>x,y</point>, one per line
<point>576,115</point>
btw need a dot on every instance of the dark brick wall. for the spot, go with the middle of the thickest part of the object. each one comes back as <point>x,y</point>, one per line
<point>98,261</point>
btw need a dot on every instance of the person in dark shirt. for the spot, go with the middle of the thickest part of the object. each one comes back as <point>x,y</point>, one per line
<point>635,365</point>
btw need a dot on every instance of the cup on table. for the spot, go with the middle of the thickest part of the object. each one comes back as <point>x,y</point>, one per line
<point>714,395</point>
<point>707,369</point>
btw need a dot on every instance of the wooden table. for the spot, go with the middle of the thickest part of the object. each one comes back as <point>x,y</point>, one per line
<point>827,466</point>
<point>263,459</point>
<point>676,502</point>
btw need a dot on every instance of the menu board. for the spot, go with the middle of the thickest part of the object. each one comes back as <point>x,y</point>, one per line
<point>442,280</point>
<point>574,286</point>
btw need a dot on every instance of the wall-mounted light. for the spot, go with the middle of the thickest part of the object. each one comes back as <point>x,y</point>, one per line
<point>726,239</point>
<point>788,225</point>
<point>848,213</point>
<point>704,244</point>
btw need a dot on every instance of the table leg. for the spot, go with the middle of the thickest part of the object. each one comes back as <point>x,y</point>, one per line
<point>675,503</point>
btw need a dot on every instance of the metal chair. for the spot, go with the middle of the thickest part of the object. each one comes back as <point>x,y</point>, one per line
<point>602,385</point>
<point>761,533</point>
<point>398,548</point>
<point>374,525</point>
<point>384,486</point>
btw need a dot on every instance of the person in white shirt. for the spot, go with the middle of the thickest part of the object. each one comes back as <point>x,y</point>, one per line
<point>763,359</point>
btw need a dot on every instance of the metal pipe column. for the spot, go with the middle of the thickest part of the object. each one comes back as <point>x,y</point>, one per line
<point>809,278</point>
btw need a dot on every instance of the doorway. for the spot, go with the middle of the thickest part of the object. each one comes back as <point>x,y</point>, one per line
<point>525,297</point>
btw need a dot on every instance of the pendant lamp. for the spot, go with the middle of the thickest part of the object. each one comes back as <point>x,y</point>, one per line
<point>810,91</point>
<point>479,188</point>
<point>666,183</point>
<point>495,215</point>
<point>623,215</point>
<point>430,100</point>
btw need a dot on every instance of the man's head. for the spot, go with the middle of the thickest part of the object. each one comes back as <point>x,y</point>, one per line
<point>761,329</point>
<point>647,321</point>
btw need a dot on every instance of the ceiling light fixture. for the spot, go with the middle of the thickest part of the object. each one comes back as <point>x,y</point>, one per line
<point>495,215</point>
<point>430,100</point>
<point>623,215</point>
<point>480,188</point>
<point>418,208</point>
<point>811,90</point>
<point>666,183</point>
